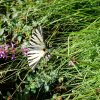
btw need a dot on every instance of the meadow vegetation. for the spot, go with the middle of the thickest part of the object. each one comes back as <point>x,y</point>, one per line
<point>72,31</point>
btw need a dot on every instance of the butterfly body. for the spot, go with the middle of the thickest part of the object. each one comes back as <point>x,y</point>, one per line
<point>37,48</point>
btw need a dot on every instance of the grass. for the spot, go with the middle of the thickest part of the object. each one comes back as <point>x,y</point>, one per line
<point>72,29</point>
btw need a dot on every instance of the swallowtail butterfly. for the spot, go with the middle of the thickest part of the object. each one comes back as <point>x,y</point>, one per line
<point>37,48</point>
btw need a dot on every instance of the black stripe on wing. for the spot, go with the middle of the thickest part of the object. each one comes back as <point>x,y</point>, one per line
<point>37,38</point>
<point>37,34</point>
<point>33,61</point>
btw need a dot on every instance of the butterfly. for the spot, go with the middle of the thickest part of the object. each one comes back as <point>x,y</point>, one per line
<point>37,48</point>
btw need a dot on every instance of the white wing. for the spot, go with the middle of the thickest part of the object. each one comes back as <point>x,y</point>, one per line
<point>36,46</point>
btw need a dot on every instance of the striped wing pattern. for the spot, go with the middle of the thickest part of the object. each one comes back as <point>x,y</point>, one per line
<point>36,48</point>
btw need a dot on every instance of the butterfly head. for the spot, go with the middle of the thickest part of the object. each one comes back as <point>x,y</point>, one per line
<point>47,55</point>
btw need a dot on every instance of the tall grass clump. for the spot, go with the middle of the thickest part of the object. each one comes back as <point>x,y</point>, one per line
<point>72,30</point>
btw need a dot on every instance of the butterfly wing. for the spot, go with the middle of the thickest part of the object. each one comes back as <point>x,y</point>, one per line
<point>36,46</point>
